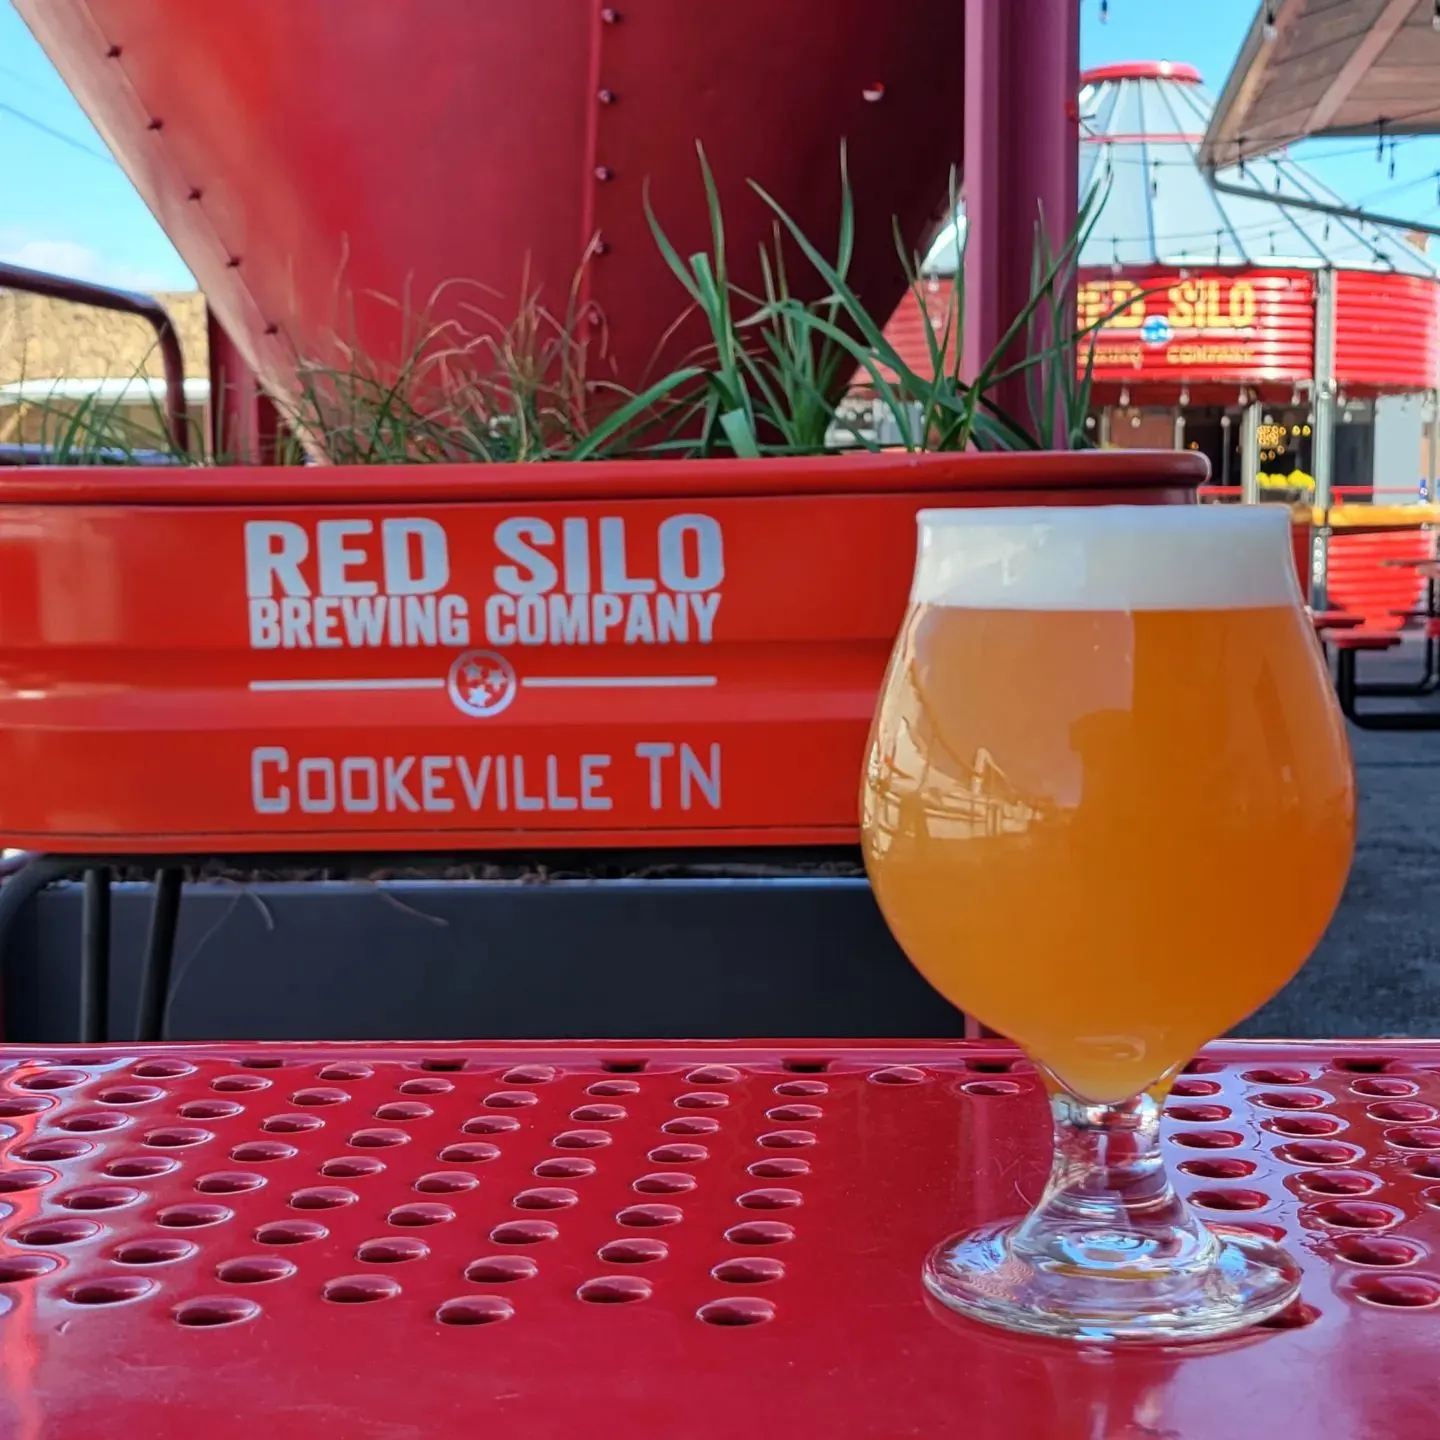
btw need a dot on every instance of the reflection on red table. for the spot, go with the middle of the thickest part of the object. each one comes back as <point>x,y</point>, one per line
<point>669,1241</point>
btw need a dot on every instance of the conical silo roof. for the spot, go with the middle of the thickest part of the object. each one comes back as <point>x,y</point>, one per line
<point>1142,126</point>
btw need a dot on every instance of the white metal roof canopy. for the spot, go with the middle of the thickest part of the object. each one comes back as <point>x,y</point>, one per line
<point>1142,128</point>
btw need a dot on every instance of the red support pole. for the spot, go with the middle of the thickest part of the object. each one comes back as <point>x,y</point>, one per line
<point>1022,80</point>
<point>244,423</point>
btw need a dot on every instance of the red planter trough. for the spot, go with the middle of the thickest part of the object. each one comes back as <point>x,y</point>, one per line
<point>470,657</point>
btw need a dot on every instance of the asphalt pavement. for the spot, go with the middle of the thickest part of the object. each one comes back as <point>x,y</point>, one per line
<point>1377,971</point>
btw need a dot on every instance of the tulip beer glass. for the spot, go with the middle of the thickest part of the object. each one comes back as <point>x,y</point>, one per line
<point>1105,739</point>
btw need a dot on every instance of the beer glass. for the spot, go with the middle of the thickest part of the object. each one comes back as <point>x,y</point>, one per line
<point>1108,810</point>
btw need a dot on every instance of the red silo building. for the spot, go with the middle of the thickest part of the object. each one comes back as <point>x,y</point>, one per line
<point>1298,350</point>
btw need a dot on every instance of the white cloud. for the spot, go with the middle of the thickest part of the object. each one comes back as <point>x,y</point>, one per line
<point>79,262</point>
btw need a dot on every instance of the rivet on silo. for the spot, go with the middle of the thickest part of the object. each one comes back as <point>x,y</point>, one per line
<point>874,93</point>
<point>606,97</point>
<point>610,15</point>
<point>604,172</point>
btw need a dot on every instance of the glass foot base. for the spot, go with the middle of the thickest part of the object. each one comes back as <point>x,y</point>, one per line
<point>1112,1286</point>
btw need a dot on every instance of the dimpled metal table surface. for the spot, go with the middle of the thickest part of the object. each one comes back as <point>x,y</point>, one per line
<point>668,1241</point>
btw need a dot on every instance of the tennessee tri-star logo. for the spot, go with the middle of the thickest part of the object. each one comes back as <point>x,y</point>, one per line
<point>482,683</point>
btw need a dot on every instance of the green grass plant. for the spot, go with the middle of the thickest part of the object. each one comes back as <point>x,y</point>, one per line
<point>774,375</point>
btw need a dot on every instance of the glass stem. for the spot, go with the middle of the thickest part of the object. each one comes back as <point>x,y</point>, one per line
<point>1108,1192</point>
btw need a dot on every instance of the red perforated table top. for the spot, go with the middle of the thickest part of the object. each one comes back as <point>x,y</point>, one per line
<point>669,1241</point>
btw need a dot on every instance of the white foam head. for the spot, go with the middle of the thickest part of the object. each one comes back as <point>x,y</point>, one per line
<point>1107,557</point>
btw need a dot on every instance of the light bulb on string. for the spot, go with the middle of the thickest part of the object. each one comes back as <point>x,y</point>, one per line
<point>1270,30</point>
<point>1435,19</point>
<point>1124,397</point>
<point>1105,11</point>
<point>1392,158</point>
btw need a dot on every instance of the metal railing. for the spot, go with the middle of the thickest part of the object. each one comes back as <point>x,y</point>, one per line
<point>35,454</point>
<point>123,302</point>
<point>1376,494</point>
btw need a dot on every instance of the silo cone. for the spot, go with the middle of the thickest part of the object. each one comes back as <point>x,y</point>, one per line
<point>356,170</point>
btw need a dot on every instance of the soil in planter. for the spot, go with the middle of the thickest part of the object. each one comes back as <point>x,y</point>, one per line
<point>841,863</point>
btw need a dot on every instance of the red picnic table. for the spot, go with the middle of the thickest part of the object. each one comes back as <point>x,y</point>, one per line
<point>1345,631</point>
<point>679,1241</point>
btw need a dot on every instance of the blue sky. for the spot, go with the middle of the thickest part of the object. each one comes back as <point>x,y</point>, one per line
<point>66,206</point>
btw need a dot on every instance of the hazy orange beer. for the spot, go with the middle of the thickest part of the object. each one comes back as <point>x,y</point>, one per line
<point>1108,806</point>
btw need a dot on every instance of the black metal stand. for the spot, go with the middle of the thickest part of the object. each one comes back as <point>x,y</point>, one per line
<point>1349,691</point>
<point>92,1023</point>
<point>159,955</point>
<point>1428,683</point>
<point>509,980</point>
<point>95,957</point>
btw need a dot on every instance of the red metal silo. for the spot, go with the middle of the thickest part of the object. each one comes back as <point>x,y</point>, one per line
<point>324,165</point>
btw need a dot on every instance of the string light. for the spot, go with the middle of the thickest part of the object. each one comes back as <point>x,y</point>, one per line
<point>1435,21</point>
<point>1270,30</point>
<point>1105,11</point>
